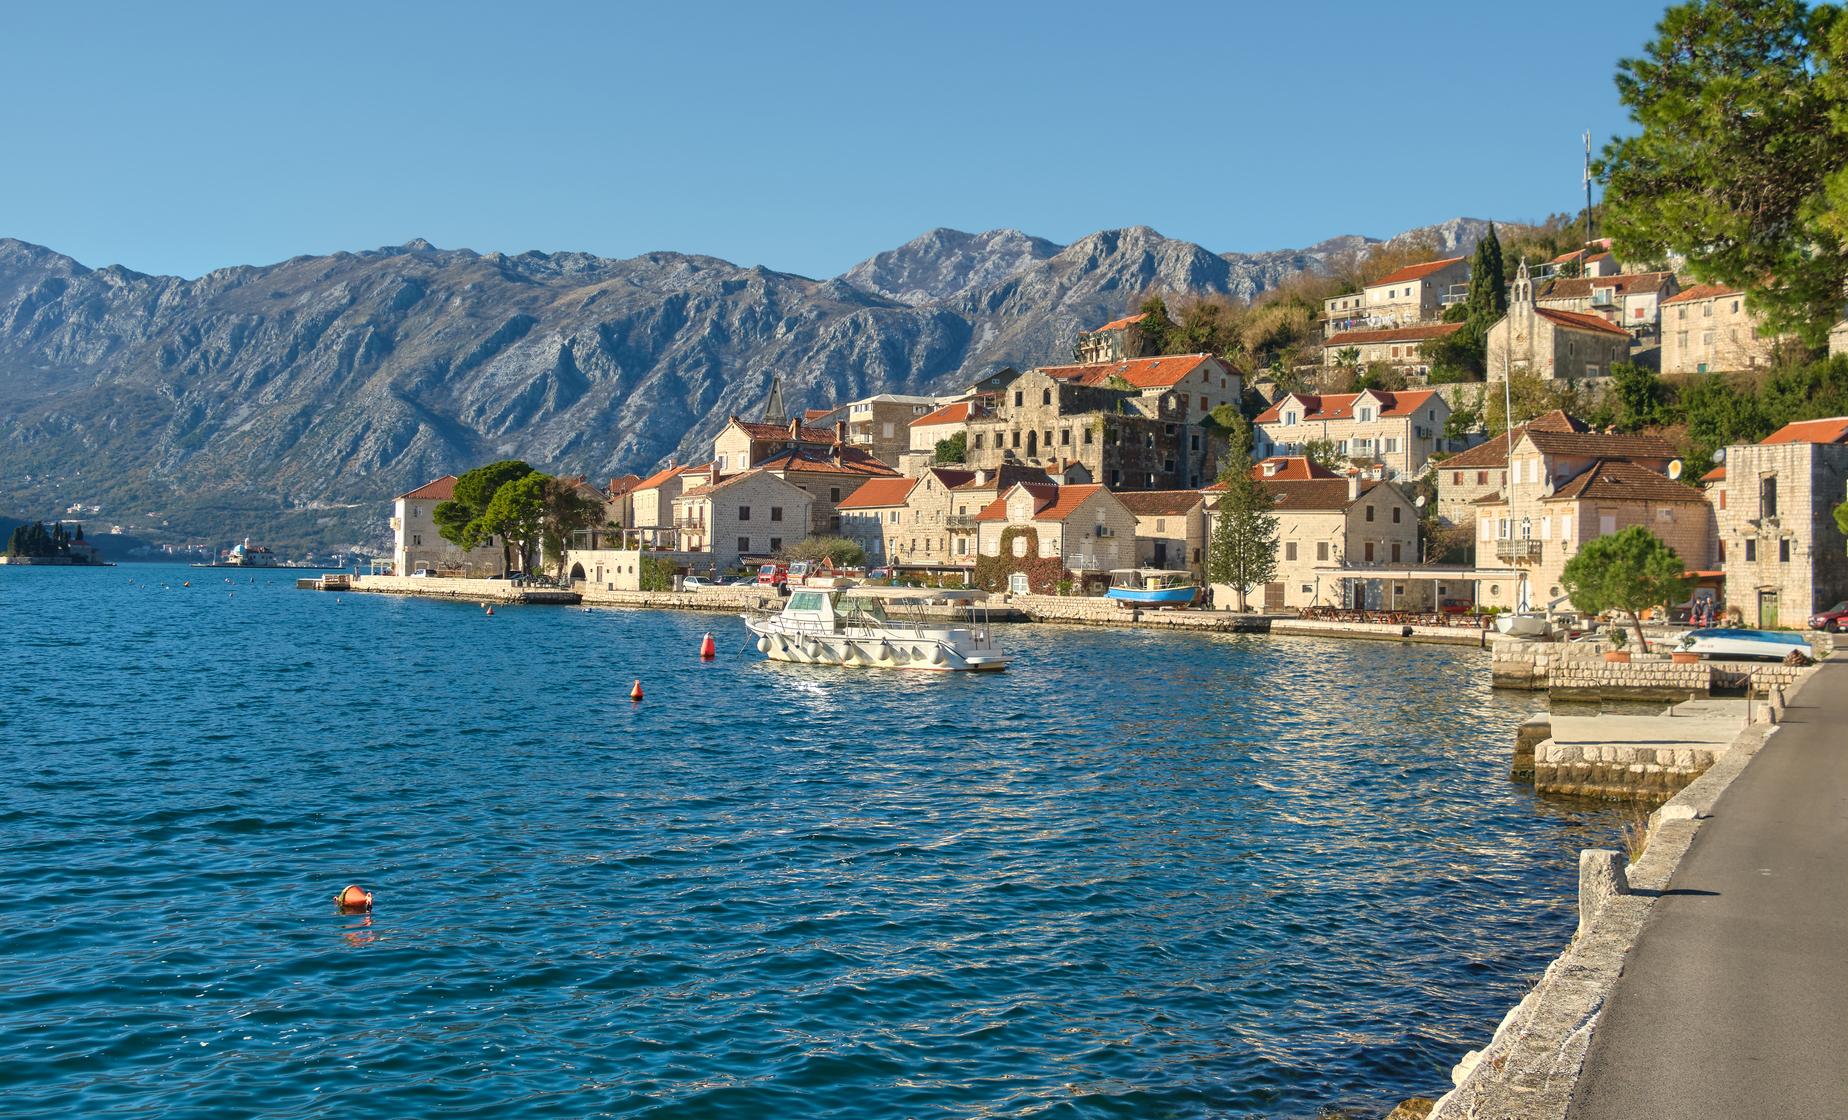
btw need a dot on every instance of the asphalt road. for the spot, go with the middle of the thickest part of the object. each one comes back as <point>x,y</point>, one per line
<point>1734,1002</point>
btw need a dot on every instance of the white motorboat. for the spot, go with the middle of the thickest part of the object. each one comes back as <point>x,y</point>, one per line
<point>877,628</point>
<point>1745,645</point>
<point>1523,624</point>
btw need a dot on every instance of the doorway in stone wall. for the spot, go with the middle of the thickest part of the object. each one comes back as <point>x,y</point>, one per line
<point>1767,610</point>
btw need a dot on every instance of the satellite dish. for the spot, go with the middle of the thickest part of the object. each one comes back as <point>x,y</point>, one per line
<point>1719,454</point>
<point>1674,469</point>
<point>1419,501</point>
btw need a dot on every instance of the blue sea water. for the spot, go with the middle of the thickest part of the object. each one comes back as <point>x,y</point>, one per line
<point>1138,874</point>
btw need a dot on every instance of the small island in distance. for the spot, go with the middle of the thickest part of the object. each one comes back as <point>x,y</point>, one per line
<point>33,543</point>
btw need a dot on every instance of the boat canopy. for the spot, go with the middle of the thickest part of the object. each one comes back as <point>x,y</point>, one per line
<point>1146,572</point>
<point>947,594</point>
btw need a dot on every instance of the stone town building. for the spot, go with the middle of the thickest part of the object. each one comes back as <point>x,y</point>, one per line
<point>970,498</point>
<point>1397,430</point>
<point>1325,523</point>
<point>1170,529</point>
<point>1133,425</point>
<point>1551,343</point>
<point>906,520</point>
<point>1399,347</point>
<point>1115,341</point>
<point>1401,298</point>
<point>1783,554</point>
<point>742,444</point>
<point>1632,301</point>
<point>1549,452</point>
<point>1594,259</point>
<point>416,545</point>
<point>1087,527</point>
<point>651,501</point>
<point>933,428</point>
<point>828,477</point>
<point>1546,523</point>
<point>881,425</point>
<point>752,515</point>
<point>1710,328</point>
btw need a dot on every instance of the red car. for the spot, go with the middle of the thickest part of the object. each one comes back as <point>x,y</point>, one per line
<point>1832,619</point>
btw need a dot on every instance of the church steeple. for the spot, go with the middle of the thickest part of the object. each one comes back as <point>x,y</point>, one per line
<point>774,412</point>
<point>1522,291</point>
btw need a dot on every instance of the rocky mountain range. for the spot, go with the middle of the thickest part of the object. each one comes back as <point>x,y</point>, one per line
<point>291,401</point>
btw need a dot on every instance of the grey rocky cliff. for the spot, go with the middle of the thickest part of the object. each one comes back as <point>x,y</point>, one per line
<point>289,401</point>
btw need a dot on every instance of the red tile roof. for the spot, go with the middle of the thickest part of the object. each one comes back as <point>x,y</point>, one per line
<point>1579,287</point>
<point>1832,430</point>
<point>1290,468</point>
<point>1420,333</point>
<point>622,484</point>
<point>1581,321</point>
<point>1050,503</point>
<point>817,413</point>
<point>1575,254</point>
<point>654,480</point>
<point>1160,503</point>
<point>1340,406</point>
<point>851,461</point>
<point>1717,474</point>
<point>1314,493</point>
<point>1142,373</point>
<point>781,431</point>
<point>436,490</point>
<point>878,493</point>
<point>1119,324</point>
<point>1702,291</point>
<point>1415,271</point>
<point>1599,445</point>
<point>955,413</point>
<point>1616,480</point>
<point>1494,452</point>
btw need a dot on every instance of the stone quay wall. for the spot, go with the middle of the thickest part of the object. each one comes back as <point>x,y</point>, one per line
<point>1620,771</point>
<point>470,590</point>
<point>1579,671</point>
<point>1098,611</point>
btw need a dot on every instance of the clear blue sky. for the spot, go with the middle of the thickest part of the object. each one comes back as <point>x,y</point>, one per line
<point>182,137</point>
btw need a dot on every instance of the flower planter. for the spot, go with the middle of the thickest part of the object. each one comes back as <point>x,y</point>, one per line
<point>1617,656</point>
<point>1685,658</point>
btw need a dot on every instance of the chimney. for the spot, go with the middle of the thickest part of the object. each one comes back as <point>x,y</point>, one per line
<point>795,427</point>
<point>840,432</point>
<point>1353,485</point>
<point>981,478</point>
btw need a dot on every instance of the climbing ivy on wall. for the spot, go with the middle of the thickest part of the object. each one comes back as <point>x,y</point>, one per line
<point>1044,573</point>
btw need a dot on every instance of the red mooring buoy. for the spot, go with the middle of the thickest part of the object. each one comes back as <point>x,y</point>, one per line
<point>708,649</point>
<point>354,899</point>
<point>635,693</point>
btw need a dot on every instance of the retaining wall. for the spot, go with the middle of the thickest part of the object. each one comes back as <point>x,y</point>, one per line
<point>472,590</point>
<point>1579,671</point>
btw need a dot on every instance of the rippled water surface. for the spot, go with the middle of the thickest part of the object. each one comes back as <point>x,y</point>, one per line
<point>1136,875</point>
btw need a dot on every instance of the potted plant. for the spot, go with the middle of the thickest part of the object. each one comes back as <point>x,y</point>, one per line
<point>1617,654</point>
<point>1684,656</point>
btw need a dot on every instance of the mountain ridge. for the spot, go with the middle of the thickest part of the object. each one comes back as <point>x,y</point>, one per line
<point>289,400</point>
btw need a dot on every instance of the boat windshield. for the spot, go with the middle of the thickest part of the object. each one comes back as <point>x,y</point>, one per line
<point>861,610</point>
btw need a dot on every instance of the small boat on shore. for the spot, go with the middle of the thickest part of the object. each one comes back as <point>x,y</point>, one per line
<point>855,628</point>
<point>1747,645</point>
<point>1525,624</point>
<point>1152,587</point>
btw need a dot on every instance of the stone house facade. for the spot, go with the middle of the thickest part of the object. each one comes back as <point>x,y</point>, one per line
<point>1087,527</point>
<point>1549,342</point>
<point>1464,478</point>
<point>742,444</point>
<point>651,501</point>
<point>1324,524</point>
<point>1632,300</point>
<point>881,425</point>
<point>934,427</point>
<point>1115,341</point>
<point>1784,556</point>
<point>827,476</point>
<point>1170,528</point>
<point>1132,425</point>
<point>1401,298</point>
<point>1711,328</point>
<point>1399,431</point>
<point>1536,533</point>
<point>416,545</point>
<point>864,514</point>
<point>1399,347</point>
<point>754,514</point>
<point>910,515</point>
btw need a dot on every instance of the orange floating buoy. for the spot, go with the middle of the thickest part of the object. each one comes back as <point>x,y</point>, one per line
<point>490,610</point>
<point>188,583</point>
<point>708,649</point>
<point>635,694</point>
<point>354,899</point>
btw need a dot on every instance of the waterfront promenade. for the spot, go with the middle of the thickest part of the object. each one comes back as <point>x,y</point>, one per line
<point>1734,1002</point>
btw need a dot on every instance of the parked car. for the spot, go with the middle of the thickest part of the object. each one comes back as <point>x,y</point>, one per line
<point>424,573</point>
<point>1456,606</point>
<point>697,583</point>
<point>1832,620</point>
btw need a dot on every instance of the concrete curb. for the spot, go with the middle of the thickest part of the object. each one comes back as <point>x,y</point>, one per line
<point>1530,1067</point>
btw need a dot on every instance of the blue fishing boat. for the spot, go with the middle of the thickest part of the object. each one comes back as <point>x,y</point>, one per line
<point>1773,645</point>
<point>1152,587</point>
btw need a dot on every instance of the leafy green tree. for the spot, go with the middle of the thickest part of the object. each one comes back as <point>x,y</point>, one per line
<point>1380,375</point>
<point>838,551</point>
<point>1243,548</point>
<point>657,573</point>
<point>1841,518</point>
<point>458,520</point>
<point>566,507</point>
<point>1325,453</point>
<point>1156,325</point>
<point>1641,398</point>
<point>517,516</point>
<point>954,449</point>
<point>1741,161</point>
<point>1630,571</point>
<point>1718,413</point>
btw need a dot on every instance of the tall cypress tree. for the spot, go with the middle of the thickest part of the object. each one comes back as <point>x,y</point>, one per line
<point>1488,282</point>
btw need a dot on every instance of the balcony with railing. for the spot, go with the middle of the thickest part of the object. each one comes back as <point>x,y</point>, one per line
<point>1516,549</point>
<point>960,521</point>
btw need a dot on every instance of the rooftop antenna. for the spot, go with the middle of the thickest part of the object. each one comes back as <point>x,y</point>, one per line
<point>1588,193</point>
